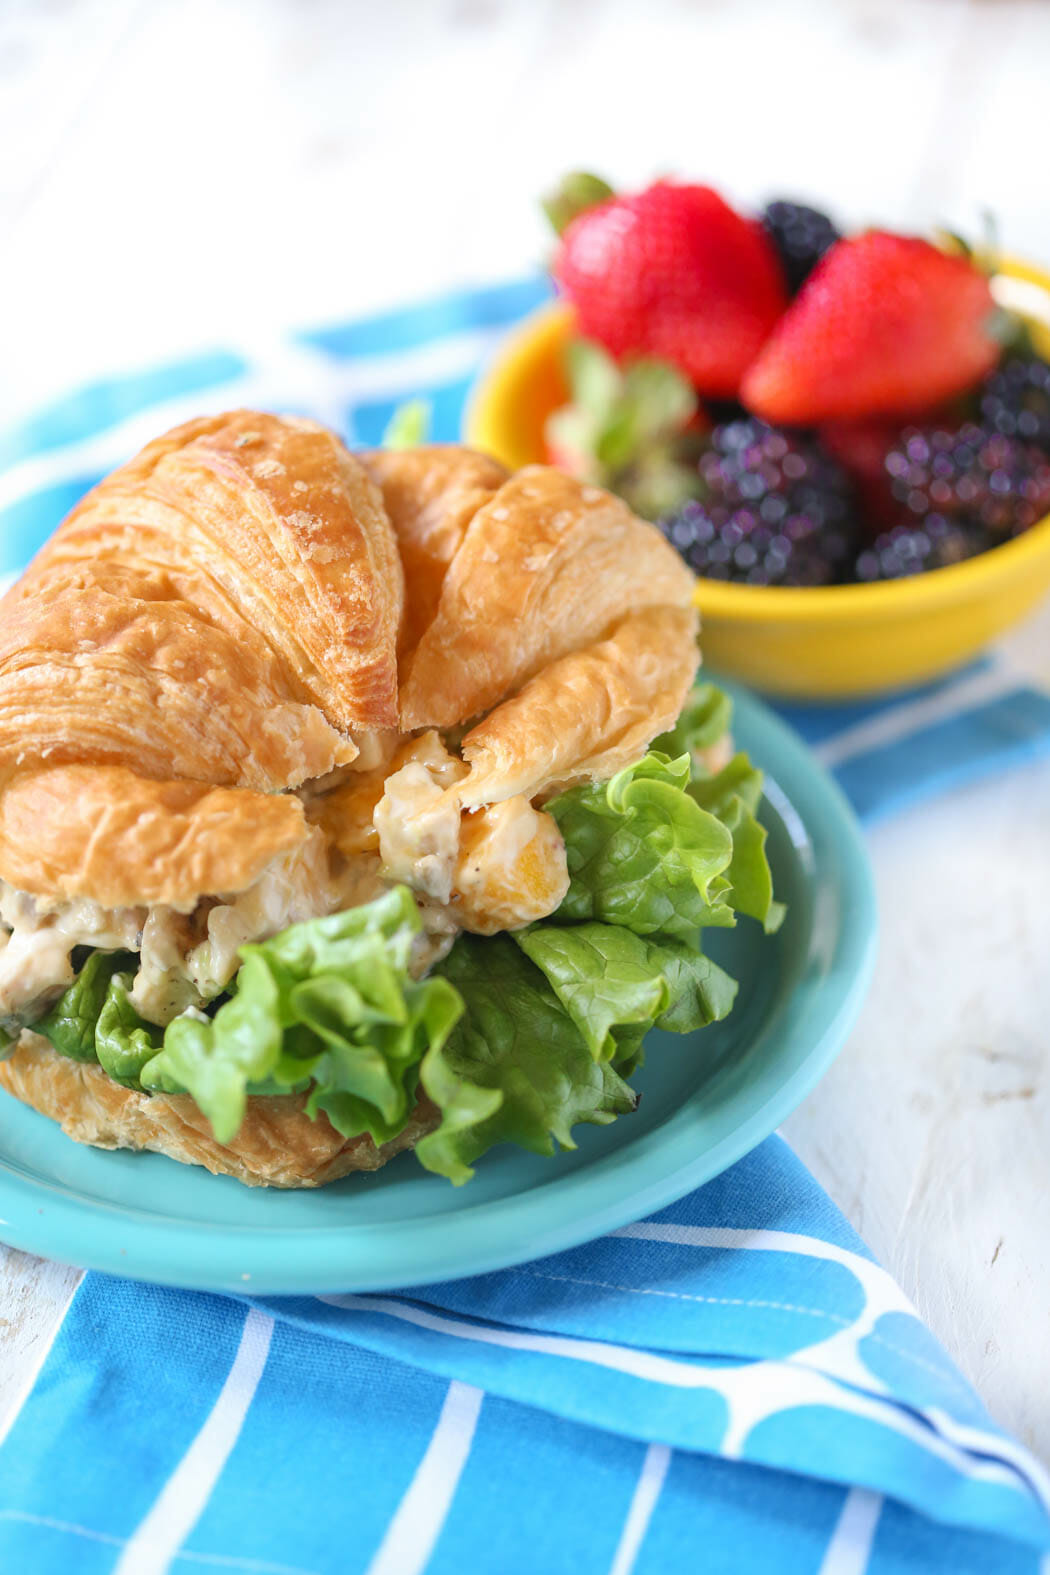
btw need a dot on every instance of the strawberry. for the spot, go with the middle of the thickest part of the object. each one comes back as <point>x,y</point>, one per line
<point>673,273</point>
<point>885,325</point>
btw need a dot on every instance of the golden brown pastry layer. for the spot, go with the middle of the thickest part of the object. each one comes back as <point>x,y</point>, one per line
<point>431,495</point>
<point>221,619</point>
<point>271,533</point>
<point>224,611</point>
<point>545,567</point>
<point>102,832</point>
<point>588,714</point>
<point>278,1144</point>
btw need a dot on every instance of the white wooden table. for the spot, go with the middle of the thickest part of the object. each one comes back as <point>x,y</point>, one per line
<point>174,175</point>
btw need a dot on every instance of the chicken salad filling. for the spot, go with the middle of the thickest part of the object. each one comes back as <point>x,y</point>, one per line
<point>503,963</point>
<point>396,823</point>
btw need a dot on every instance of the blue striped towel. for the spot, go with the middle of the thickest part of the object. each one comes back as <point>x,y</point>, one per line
<point>733,1385</point>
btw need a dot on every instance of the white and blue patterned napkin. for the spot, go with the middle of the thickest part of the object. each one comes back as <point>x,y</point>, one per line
<point>731,1386</point>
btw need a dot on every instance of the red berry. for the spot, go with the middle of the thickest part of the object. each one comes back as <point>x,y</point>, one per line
<point>674,272</point>
<point>885,325</point>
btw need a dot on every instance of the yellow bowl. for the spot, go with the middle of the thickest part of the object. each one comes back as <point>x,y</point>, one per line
<point>828,642</point>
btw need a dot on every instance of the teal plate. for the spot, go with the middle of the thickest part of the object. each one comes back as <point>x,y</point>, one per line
<point>706,1100</point>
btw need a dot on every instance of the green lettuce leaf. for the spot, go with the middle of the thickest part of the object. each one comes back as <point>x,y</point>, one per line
<point>517,1042</point>
<point>371,1086</point>
<point>71,1023</point>
<point>606,978</point>
<point>701,992</point>
<point>733,794</point>
<point>750,877</point>
<point>214,1058</point>
<point>715,791</point>
<point>124,1041</point>
<point>329,1000</point>
<point>704,719</point>
<point>643,854</point>
<point>609,979</point>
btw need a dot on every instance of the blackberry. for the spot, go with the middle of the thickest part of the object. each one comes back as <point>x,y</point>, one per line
<point>1015,401</point>
<point>972,476</point>
<point>913,549</point>
<point>801,236</point>
<point>774,510</point>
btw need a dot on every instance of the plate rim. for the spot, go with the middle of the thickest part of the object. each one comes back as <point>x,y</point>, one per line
<point>477,1238</point>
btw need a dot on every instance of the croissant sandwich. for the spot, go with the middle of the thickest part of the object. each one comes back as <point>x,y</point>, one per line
<point>332,822</point>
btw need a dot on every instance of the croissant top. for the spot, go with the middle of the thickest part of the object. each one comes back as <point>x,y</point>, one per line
<point>246,607</point>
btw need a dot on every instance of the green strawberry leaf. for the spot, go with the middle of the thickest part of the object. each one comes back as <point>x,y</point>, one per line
<point>409,426</point>
<point>628,430</point>
<point>596,381</point>
<point>574,194</point>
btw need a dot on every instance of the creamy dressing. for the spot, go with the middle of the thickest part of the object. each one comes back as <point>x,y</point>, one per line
<point>418,825</point>
<point>466,875</point>
<point>37,942</point>
<point>162,987</point>
<point>35,968</point>
<point>186,963</point>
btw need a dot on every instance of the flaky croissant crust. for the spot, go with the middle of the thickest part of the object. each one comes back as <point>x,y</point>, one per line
<point>227,616</point>
<point>278,1144</point>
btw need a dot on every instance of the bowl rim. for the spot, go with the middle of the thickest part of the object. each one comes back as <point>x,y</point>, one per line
<point>916,591</point>
<point>911,593</point>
